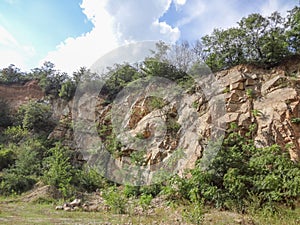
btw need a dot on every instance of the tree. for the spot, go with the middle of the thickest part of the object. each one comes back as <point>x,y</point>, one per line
<point>259,40</point>
<point>11,74</point>
<point>35,116</point>
<point>293,30</point>
<point>58,169</point>
<point>49,78</point>
<point>117,78</point>
<point>67,90</point>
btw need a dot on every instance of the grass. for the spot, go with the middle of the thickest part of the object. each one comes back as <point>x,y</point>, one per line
<point>13,211</point>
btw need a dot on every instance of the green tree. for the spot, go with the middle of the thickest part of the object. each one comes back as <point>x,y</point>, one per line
<point>293,29</point>
<point>11,74</point>
<point>67,90</point>
<point>117,78</point>
<point>35,116</point>
<point>58,170</point>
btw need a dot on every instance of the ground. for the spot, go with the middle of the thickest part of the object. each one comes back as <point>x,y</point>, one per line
<point>16,210</point>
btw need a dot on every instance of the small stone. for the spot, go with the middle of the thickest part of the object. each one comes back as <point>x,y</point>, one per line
<point>239,221</point>
<point>75,202</point>
<point>59,207</point>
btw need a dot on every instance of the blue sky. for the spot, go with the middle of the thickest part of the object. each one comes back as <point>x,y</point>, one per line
<point>75,33</point>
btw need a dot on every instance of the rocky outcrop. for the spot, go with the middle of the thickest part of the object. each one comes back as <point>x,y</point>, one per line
<point>158,130</point>
<point>18,94</point>
<point>269,99</point>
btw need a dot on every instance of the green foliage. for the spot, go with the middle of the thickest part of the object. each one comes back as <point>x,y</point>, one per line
<point>157,103</point>
<point>58,169</point>
<point>293,29</point>
<point>23,173</point>
<point>35,116</point>
<point>156,68</point>
<point>87,179</point>
<point>249,93</point>
<point>5,119</point>
<point>50,79</point>
<point>256,112</point>
<point>7,157</point>
<point>295,120</point>
<point>11,74</point>
<point>15,134</point>
<point>138,157</point>
<point>173,126</point>
<point>257,40</point>
<point>145,201</point>
<point>28,161</point>
<point>14,183</point>
<point>194,213</point>
<point>115,200</point>
<point>240,171</point>
<point>117,78</point>
<point>67,90</point>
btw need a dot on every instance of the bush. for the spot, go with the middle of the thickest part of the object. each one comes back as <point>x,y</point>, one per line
<point>15,134</point>
<point>115,199</point>
<point>194,213</point>
<point>89,180</point>
<point>35,116</point>
<point>145,201</point>
<point>23,166</point>
<point>58,169</point>
<point>12,183</point>
<point>239,173</point>
<point>7,158</point>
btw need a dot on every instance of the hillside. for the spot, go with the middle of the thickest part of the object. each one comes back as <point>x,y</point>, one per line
<point>229,140</point>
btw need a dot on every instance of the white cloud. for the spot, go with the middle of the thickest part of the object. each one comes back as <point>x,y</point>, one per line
<point>192,12</point>
<point>73,53</point>
<point>11,51</point>
<point>271,6</point>
<point>116,22</point>
<point>201,17</point>
<point>179,3</point>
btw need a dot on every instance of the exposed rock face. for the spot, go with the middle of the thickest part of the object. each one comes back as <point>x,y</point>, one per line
<point>266,101</point>
<point>16,95</point>
<point>270,100</point>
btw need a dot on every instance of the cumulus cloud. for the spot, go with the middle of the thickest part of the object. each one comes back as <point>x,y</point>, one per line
<point>11,51</point>
<point>116,22</point>
<point>73,53</point>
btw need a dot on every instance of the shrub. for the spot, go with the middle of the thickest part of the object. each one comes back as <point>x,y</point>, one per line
<point>240,171</point>
<point>145,201</point>
<point>295,120</point>
<point>15,134</point>
<point>7,158</point>
<point>58,169</point>
<point>88,180</point>
<point>35,116</point>
<point>194,213</point>
<point>12,182</point>
<point>115,199</point>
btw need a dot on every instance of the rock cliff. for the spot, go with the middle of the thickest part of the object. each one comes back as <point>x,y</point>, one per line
<point>18,94</point>
<point>155,129</point>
